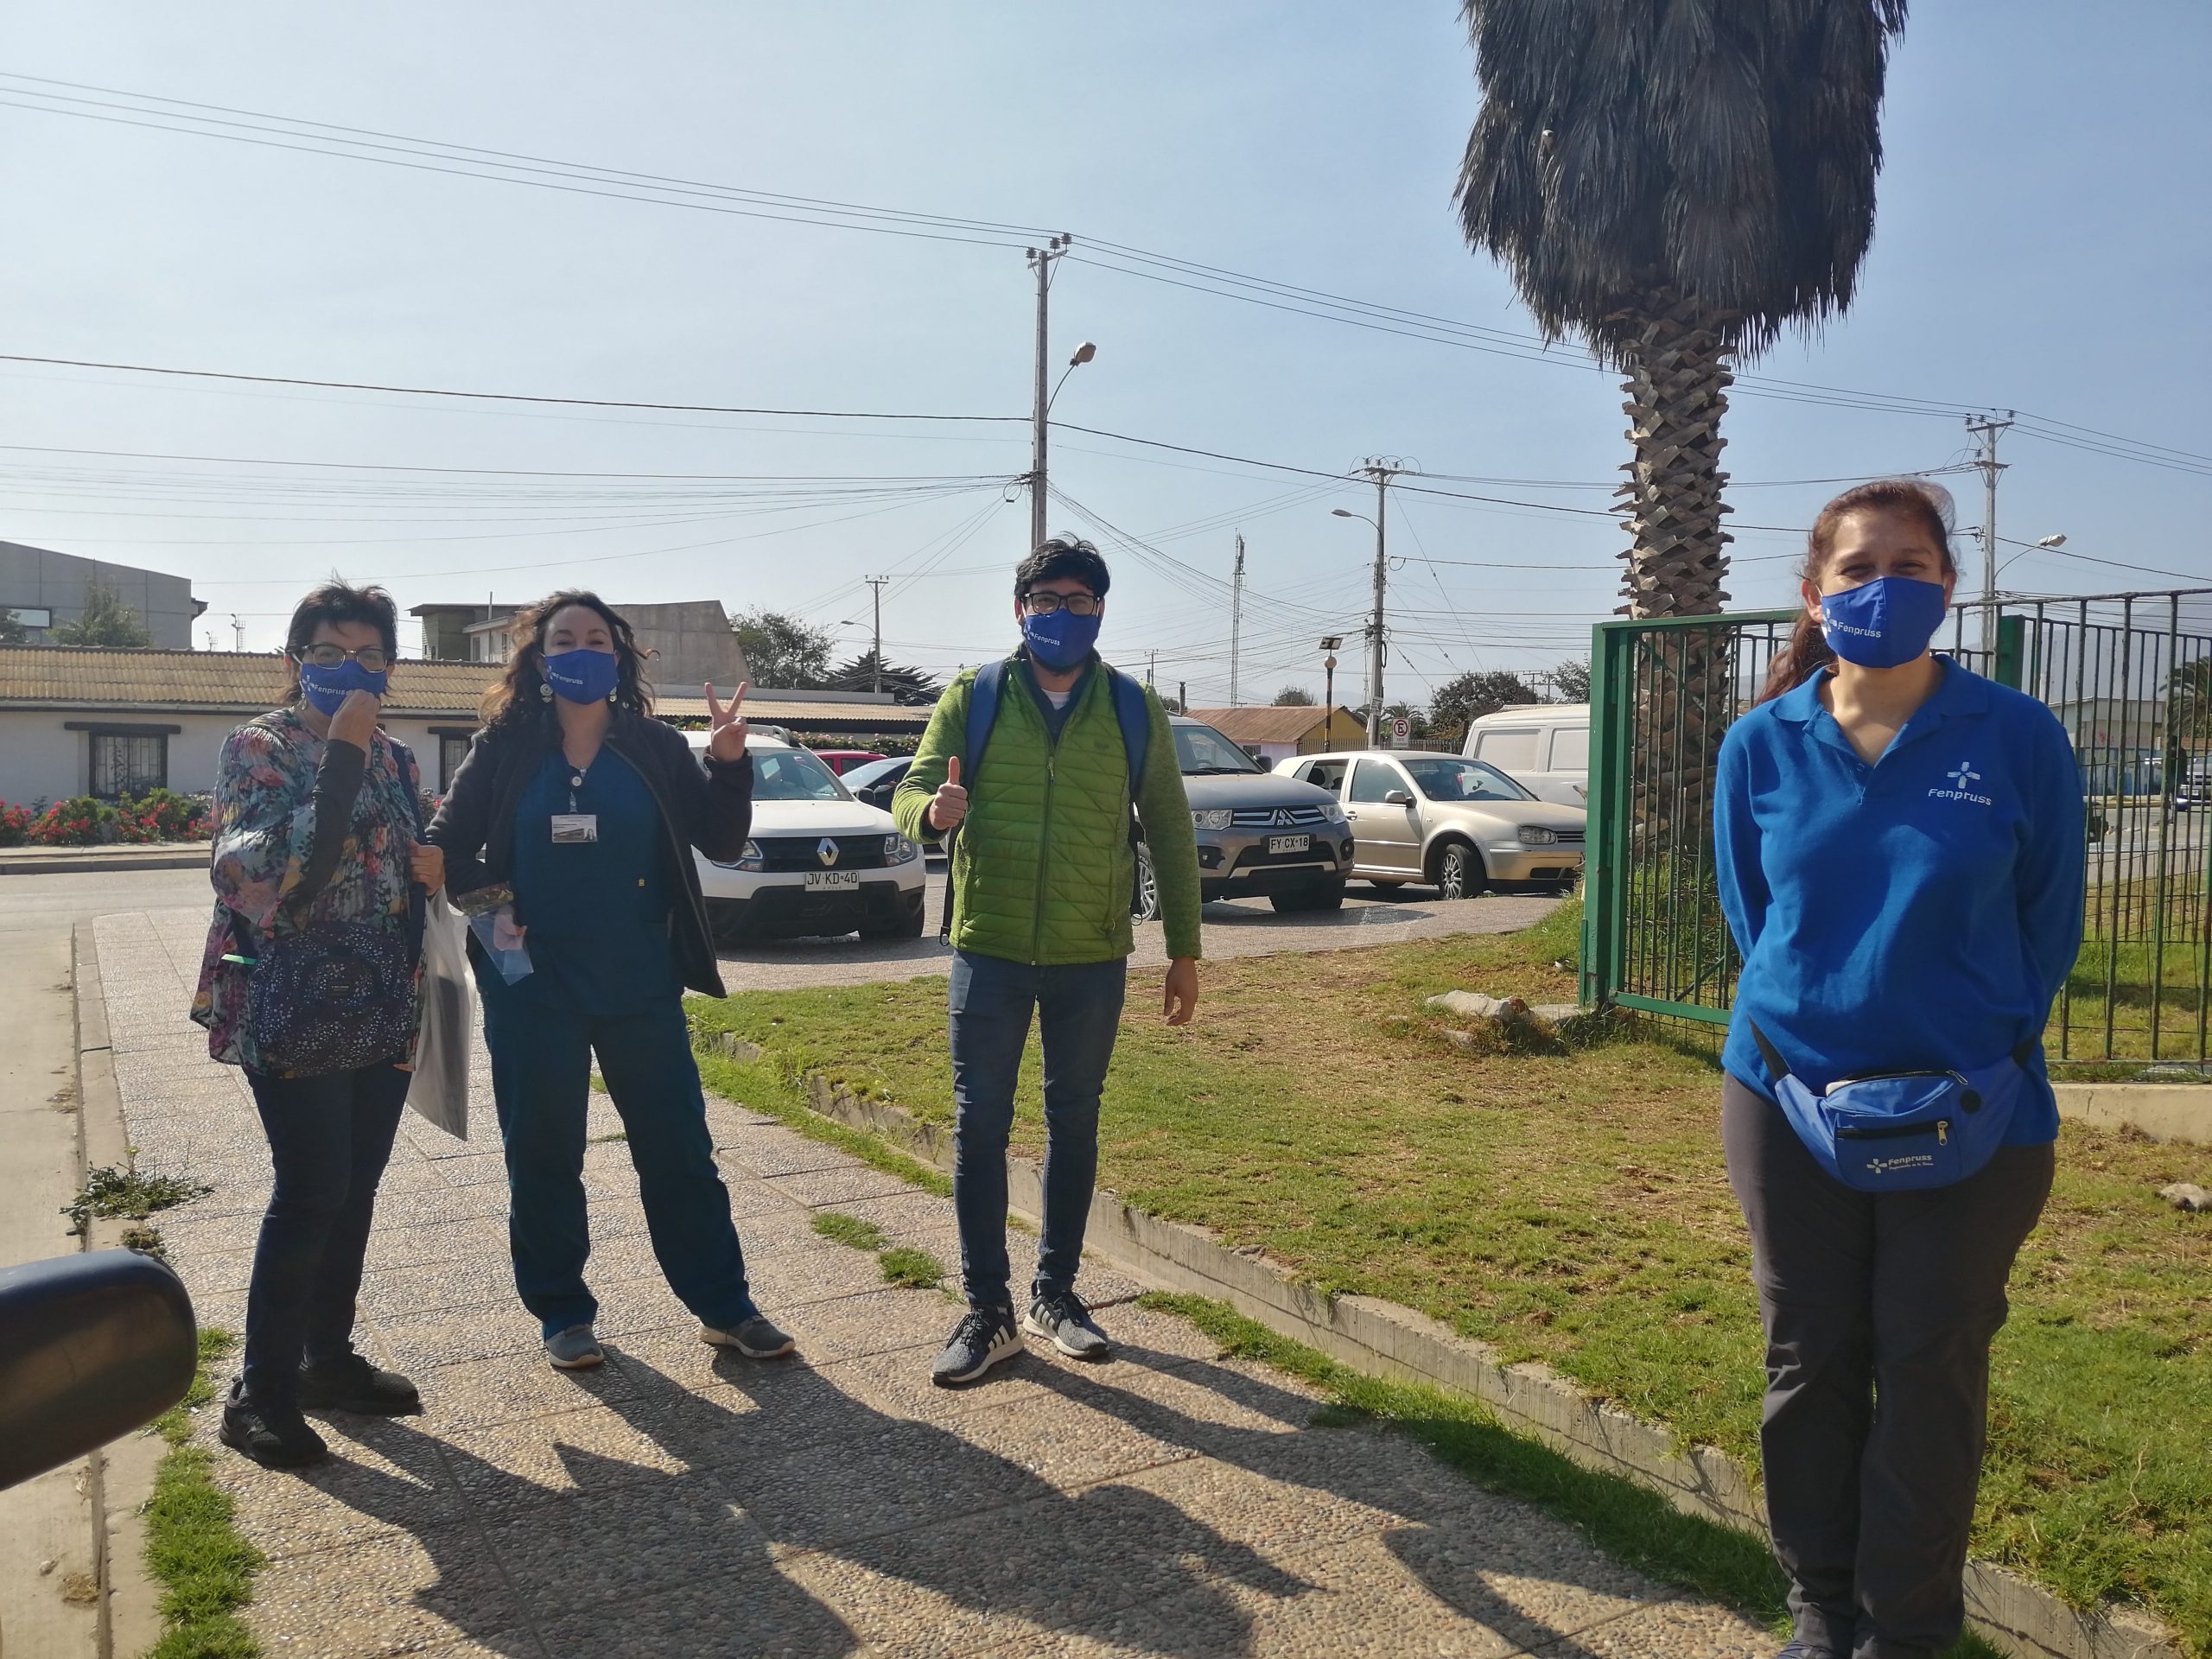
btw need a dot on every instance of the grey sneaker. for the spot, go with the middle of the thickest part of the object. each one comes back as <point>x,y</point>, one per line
<point>983,1336</point>
<point>1061,1318</point>
<point>755,1337</point>
<point>573,1350</point>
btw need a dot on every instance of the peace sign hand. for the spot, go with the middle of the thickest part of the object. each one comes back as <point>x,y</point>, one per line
<point>726,726</point>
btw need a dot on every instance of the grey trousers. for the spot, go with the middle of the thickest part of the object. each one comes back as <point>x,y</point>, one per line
<point>1879,1310</point>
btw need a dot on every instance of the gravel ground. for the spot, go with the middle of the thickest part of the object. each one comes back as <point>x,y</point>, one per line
<point>1243,927</point>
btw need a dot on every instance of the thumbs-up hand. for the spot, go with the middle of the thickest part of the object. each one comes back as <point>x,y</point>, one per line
<point>950,805</point>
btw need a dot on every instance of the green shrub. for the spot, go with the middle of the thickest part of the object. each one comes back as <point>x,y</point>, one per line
<point>82,821</point>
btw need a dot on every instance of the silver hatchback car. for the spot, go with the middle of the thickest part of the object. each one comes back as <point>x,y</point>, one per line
<point>1457,824</point>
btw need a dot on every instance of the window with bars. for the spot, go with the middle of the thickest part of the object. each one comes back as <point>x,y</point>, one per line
<point>128,764</point>
<point>452,751</point>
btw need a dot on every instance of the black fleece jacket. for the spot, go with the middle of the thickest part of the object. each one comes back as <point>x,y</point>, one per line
<point>708,807</point>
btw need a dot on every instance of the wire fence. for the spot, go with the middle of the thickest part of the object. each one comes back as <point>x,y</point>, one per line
<point>2129,676</point>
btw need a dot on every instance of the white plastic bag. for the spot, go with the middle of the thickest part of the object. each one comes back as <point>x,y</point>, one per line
<point>440,1089</point>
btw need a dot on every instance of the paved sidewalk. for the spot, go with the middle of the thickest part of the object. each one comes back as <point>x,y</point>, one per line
<point>684,1502</point>
<point>77,861</point>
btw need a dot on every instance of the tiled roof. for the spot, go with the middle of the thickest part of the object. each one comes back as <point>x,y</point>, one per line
<point>1284,725</point>
<point>227,681</point>
<point>239,682</point>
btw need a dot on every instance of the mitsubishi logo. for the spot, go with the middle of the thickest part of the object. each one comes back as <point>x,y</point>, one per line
<point>1963,775</point>
<point>1283,816</point>
<point>826,850</point>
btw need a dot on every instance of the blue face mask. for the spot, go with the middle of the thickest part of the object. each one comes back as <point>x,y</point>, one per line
<point>1062,640</point>
<point>582,676</point>
<point>327,687</point>
<point>1884,623</point>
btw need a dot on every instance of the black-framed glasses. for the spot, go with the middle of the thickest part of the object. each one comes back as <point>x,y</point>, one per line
<point>1073,604</point>
<point>374,658</point>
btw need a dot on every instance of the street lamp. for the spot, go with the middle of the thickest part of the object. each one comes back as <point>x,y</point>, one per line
<point>2050,542</point>
<point>1374,627</point>
<point>1331,644</point>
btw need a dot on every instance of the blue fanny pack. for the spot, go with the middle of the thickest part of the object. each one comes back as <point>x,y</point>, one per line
<point>1903,1131</point>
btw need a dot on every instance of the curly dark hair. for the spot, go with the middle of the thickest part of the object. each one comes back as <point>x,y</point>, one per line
<point>515,698</point>
<point>336,601</point>
<point>1807,653</point>
<point>1063,556</point>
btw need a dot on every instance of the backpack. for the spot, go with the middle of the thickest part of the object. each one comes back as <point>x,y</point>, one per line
<point>1129,712</point>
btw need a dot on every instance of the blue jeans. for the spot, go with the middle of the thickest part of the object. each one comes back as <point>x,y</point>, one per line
<point>1078,1010</point>
<point>329,1139</point>
<point>541,1082</point>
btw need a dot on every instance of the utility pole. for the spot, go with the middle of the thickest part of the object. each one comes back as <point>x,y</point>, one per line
<point>237,633</point>
<point>1182,696</point>
<point>1986,428</point>
<point>1152,668</point>
<point>876,583</point>
<point>1381,471</point>
<point>1235,620</point>
<point>1042,261</point>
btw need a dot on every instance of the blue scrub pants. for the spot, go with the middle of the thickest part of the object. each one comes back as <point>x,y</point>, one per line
<point>541,1081</point>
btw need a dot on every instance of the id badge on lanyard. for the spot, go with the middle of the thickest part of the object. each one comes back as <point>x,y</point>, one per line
<point>569,827</point>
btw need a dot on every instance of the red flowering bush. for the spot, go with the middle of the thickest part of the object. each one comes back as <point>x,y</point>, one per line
<point>16,824</point>
<point>163,815</point>
<point>80,821</point>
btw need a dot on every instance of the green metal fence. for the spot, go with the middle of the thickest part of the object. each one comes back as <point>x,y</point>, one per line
<point>2129,675</point>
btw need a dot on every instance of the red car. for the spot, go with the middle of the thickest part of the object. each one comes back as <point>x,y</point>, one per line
<point>843,760</point>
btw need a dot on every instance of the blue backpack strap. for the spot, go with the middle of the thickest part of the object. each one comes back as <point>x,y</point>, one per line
<point>1135,721</point>
<point>982,714</point>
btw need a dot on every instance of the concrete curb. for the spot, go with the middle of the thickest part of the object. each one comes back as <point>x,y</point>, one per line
<point>130,1617</point>
<point>2165,1112</point>
<point>80,861</point>
<point>1383,1339</point>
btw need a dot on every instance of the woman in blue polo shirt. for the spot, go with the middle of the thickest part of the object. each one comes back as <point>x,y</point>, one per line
<point>1900,859</point>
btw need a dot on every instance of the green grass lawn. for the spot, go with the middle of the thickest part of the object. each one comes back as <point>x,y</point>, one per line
<point>1574,1208</point>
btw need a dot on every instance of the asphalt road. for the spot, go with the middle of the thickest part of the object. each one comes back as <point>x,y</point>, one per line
<point>1243,927</point>
<point>1246,927</point>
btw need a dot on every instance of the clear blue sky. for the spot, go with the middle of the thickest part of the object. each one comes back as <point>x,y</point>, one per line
<point>2042,243</point>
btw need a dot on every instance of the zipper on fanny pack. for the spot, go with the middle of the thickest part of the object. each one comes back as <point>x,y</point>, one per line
<point>1883,1076</point>
<point>1942,1126</point>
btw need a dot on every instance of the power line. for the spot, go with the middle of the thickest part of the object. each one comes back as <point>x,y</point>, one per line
<point>262,127</point>
<point>506,397</point>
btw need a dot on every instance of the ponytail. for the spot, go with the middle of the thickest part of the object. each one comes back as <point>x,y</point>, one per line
<point>1807,653</point>
<point>1803,655</point>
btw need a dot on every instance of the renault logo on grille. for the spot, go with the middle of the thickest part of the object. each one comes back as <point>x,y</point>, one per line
<point>826,850</point>
<point>1283,815</point>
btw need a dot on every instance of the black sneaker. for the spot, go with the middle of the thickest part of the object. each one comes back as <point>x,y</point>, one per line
<point>354,1384</point>
<point>1062,1319</point>
<point>983,1336</point>
<point>275,1437</point>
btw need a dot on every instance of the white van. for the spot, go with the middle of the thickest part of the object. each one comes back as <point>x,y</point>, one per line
<point>1543,746</point>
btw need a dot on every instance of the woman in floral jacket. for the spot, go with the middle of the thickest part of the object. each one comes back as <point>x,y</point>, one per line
<point>316,821</point>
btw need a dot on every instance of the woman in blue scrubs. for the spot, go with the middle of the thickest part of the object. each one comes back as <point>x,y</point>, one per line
<point>1901,861</point>
<point>573,820</point>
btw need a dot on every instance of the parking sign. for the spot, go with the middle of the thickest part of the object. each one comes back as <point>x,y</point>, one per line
<point>1401,731</point>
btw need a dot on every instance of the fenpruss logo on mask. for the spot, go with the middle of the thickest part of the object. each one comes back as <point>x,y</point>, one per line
<point>1961,776</point>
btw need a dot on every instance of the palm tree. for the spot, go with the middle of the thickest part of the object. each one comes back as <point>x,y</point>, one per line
<point>1675,181</point>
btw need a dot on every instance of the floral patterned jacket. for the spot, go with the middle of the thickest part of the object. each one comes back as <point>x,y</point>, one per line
<point>265,842</point>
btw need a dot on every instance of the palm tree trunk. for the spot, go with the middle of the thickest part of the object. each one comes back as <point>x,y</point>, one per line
<point>1677,387</point>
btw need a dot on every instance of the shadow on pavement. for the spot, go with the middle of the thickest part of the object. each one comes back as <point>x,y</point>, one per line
<point>795,1498</point>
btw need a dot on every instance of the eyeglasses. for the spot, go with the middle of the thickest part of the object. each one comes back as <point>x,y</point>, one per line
<point>375,658</point>
<point>1073,604</point>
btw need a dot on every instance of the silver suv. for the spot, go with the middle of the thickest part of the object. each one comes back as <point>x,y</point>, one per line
<point>1259,832</point>
<point>1457,824</point>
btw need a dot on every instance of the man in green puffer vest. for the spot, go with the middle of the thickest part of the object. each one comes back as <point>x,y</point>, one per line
<point>1042,871</point>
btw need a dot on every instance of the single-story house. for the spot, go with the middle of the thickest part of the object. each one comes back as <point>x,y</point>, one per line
<point>92,720</point>
<point>1276,734</point>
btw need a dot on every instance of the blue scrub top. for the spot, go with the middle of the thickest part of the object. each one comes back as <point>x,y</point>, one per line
<point>1920,911</point>
<point>597,911</point>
